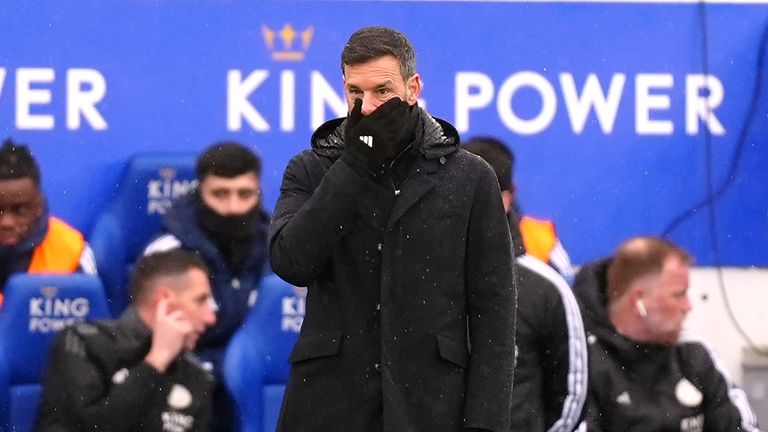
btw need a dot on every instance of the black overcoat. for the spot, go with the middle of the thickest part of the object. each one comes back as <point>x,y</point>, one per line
<point>401,283</point>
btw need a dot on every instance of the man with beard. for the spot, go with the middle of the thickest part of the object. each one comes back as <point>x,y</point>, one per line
<point>643,376</point>
<point>224,223</point>
<point>30,239</point>
<point>401,239</point>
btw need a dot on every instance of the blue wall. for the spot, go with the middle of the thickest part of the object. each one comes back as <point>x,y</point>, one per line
<point>179,75</point>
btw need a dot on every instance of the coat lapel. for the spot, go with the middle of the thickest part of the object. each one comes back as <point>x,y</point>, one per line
<point>420,181</point>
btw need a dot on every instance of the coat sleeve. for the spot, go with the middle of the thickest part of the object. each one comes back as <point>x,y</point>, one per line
<point>492,306</point>
<point>76,388</point>
<point>725,406</point>
<point>563,347</point>
<point>310,216</point>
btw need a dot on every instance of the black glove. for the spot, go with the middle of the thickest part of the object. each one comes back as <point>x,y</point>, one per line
<point>372,142</point>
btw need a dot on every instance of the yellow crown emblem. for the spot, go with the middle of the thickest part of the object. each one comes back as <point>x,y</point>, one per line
<point>49,291</point>
<point>167,173</point>
<point>287,49</point>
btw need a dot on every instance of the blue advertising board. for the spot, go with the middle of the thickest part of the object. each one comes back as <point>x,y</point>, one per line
<point>626,118</point>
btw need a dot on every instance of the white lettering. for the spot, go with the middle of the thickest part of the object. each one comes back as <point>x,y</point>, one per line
<point>592,96</point>
<point>287,101</point>
<point>174,421</point>
<point>692,424</point>
<point>294,305</point>
<point>48,325</point>
<point>161,193</point>
<point>238,106</point>
<point>83,101</point>
<point>169,188</point>
<point>474,90</point>
<point>698,106</point>
<point>323,95</point>
<point>2,81</point>
<point>291,323</point>
<point>293,308</point>
<point>548,103</point>
<point>36,306</point>
<point>645,102</point>
<point>26,96</point>
<point>59,307</point>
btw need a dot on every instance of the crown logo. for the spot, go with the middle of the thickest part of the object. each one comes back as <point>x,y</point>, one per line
<point>167,173</point>
<point>287,49</point>
<point>49,291</point>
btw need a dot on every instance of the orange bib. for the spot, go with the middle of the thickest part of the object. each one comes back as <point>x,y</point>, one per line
<point>538,237</point>
<point>60,250</point>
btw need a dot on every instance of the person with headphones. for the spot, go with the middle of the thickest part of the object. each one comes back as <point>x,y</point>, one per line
<point>644,374</point>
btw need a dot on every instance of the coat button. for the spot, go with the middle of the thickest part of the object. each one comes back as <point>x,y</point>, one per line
<point>379,247</point>
<point>377,366</point>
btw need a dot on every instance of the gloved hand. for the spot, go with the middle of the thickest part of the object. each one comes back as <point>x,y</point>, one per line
<point>372,142</point>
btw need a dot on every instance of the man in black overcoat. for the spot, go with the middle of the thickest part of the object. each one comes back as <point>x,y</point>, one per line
<point>401,239</point>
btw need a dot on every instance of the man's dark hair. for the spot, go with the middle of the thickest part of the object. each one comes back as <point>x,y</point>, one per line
<point>370,43</point>
<point>149,268</point>
<point>497,154</point>
<point>227,159</point>
<point>16,162</point>
<point>639,257</point>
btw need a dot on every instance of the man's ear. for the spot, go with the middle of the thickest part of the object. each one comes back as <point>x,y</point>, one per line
<point>413,89</point>
<point>162,292</point>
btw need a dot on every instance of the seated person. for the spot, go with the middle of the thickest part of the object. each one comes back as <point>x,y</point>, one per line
<point>643,375</point>
<point>137,373</point>
<point>539,236</point>
<point>31,240</point>
<point>223,222</point>
<point>550,383</point>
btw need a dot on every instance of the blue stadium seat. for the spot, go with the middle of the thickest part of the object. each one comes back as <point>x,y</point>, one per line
<point>256,364</point>
<point>35,308</point>
<point>147,187</point>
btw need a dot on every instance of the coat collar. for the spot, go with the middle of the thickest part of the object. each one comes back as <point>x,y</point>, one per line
<point>438,137</point>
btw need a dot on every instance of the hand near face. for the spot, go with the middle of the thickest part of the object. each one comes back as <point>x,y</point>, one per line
<point>170,335</point>
<point>376,139</point>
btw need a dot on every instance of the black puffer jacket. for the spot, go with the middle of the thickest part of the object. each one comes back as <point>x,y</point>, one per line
<point>97,381</point>
<point>394,279</point>
<point>648,387</point>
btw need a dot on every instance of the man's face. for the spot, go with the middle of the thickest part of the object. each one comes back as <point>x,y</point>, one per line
<point>667,302</point>
<point>378,81</point>
<point>234,196</point>
<point>21,205</point>
<point>196,301</point>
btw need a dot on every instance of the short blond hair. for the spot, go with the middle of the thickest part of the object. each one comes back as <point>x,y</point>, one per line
<point>639,257</point>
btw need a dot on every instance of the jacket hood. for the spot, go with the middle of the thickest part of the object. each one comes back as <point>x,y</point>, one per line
<point>589,287</point>
<point>438,137</point>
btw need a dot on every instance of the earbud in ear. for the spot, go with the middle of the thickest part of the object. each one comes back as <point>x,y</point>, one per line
<point>641,308</point>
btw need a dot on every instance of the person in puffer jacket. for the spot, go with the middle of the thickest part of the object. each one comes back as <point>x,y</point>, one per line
<point>643,375</point>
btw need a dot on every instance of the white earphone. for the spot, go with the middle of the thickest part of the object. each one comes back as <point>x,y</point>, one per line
<point>641,308</point>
